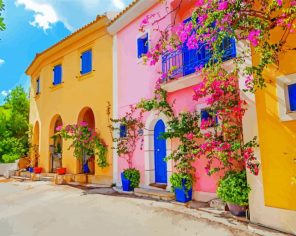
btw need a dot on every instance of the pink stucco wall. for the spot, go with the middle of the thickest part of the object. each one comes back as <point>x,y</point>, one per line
<point>137,81</point>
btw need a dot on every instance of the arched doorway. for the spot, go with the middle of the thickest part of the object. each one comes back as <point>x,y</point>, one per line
<point>160,153</point>
<point>157,171</point>
<point>35,145</point>
<point>87,115</point>
<point>55,144</point>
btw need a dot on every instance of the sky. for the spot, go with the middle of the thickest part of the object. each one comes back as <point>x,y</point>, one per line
<point>34,25</point>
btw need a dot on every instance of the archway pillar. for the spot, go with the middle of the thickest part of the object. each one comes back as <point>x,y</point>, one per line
<point>149,149</point>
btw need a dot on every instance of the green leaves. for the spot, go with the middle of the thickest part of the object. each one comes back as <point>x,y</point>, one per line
<point>14,117</point>
<point>233,188</point>
<point>132,175</point>
<point>2,25</point>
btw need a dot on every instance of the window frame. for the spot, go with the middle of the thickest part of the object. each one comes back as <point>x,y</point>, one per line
<point>282,83</point>
<point>38,88</point>
<point>139,36</point>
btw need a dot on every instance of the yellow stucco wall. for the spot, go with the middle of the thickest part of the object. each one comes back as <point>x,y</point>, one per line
<point>277,138</point>
<point>75,93</point>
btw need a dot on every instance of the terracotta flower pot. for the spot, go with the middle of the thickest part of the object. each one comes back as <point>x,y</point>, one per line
<point>37,170</point>
<point>237,210</point>
<point>61,171</point>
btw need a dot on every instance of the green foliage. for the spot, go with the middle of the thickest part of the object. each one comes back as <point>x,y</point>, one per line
<point>10,158</point>
<point>233,188</point>
<point>14,116</point>
<point>2,25</point>
<point>85,142</point>
<point>177,179</point>
<point>132,175</point>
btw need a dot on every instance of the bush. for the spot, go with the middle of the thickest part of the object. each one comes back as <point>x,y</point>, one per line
<point>177,180</point>
<point>132,175</point>
<point>233,188</point>
<point>10,158</point>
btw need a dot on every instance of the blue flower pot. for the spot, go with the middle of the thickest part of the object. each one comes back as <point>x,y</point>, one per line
<point>85,168</point>
<point>182,195</point>
<point>126,184</point>
<point>31,169</point>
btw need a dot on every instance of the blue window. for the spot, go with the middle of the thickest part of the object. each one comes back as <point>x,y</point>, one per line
<point>143,45</point>
<point>292,96</point>
<point>57,75</point>
<point>122,131</point>
<point>205,114</point>
<point>86,62</point>
<point>38,86</point>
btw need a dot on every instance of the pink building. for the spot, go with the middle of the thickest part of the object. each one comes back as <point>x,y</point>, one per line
<point>134,81</point>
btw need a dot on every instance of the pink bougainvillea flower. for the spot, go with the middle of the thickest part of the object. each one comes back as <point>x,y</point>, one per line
<point>59,128</point>
<point>199,3</point>
<point>222,6</point>
<point>190,136</point>
<point>280,2</point>
<point>254,37</point>
<point>83,124</point>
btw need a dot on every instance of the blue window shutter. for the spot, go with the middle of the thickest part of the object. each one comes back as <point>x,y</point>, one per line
<point>86,62</point>
<point>123,132</point>
<point>146,44</point>
<point>140,47</point>
<point>57,79</point>
<point>292,96</point>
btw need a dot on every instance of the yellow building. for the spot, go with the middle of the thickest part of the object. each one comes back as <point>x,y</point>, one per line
<point>72,82</point>
<point>272,118</point>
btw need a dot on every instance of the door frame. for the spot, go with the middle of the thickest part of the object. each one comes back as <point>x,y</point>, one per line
<point>149,148</point>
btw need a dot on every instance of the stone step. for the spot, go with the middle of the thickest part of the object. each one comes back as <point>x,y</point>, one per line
<point>20,178</point>
<point>155,194</point>
<point>26,174</point>
<point>46,178</point>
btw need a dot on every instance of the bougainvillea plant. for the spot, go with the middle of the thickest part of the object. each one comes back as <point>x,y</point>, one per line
<point>212,22</point>
<point>85,142</point>
<point>130,127</point>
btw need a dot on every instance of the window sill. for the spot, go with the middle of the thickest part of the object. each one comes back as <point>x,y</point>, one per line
<point>57,86</point>
<point>85,76</point>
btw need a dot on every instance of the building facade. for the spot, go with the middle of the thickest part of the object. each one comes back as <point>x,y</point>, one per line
<point>71,82</point>
<point>136,81</point>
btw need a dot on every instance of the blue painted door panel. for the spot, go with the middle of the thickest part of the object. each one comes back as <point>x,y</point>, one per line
<point>160,153</point>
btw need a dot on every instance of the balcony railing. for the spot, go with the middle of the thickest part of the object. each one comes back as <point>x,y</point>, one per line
<point>184,62</point>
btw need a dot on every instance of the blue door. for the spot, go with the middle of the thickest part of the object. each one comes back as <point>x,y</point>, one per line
<point>160,153</point>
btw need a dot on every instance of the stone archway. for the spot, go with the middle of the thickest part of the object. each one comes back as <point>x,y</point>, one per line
<point>35,142</point>
<point>149,149</point>
<point>55,144</point>
<point>87,115</point>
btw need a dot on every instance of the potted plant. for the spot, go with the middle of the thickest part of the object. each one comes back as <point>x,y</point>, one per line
<point>234,190</point>
<point>37,170</point>
<point>182,186</point>
<point>61,171</point>
<point>130,179</point>
<point>130,129</point>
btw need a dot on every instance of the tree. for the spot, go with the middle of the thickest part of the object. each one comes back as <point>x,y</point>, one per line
<point>2,25</point>
<point>14,117</point>
<point>212,23</point>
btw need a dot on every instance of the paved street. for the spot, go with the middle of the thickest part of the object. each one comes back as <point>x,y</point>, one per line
<point>43,209</point>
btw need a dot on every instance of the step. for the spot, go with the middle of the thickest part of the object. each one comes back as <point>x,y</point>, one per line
<point>155,194</point>
<point>25,174</point>
<point>20,178</point>
<point>47,178</point>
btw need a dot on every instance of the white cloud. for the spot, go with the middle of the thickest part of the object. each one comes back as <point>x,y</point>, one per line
<point>4,93</point>
<point>1,62</point>
<point>119,4</point>
<point>45,14</point>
